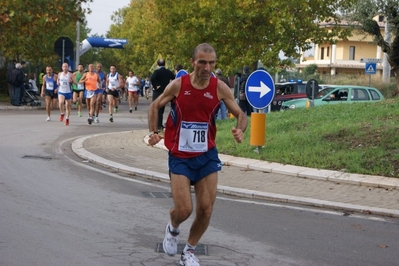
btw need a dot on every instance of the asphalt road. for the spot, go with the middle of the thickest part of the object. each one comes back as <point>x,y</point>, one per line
<point>59,210</point>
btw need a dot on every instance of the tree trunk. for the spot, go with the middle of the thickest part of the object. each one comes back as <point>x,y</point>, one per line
<point>396,71</point>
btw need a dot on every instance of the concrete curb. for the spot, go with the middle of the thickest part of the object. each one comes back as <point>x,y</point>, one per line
<point>28,107</point>
<point>304,172</point>
<point>78,149</point>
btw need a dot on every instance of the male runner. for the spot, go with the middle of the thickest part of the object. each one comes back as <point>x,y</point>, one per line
<point>78,89</point>
<point>190,137</point>
<point>64,81</point>
<point>49,90</point>
<point>114,83</point>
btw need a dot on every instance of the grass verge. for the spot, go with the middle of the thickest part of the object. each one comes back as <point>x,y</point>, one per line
<point>356,138</point>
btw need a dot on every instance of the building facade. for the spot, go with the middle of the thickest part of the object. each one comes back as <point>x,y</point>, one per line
<point>343,57</point>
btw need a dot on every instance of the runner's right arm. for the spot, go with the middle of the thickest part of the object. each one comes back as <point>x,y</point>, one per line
<point>83,78</point>
<point>74,78</point>
<point>43,85</point>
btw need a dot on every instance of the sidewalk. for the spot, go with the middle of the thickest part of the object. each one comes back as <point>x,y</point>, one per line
<point>129,152</point>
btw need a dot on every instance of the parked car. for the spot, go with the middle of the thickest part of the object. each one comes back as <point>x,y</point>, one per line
<point>337,95</point>
<point>323,86</point>
<point>287,91</point>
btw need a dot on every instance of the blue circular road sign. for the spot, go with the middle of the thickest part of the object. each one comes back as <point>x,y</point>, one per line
<point>259,89</point>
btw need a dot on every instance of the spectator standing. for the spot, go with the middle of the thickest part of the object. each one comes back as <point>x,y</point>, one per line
<point>222,114</point>
<point>159,80</point>
<point>178,67</point>
<point>10,68</point>
<point>17,76</point>
<point>142,81</point>
<point>243,101</point>
<point>41,75</point>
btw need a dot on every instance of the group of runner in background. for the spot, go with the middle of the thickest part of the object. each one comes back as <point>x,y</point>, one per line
<point>93,88</point>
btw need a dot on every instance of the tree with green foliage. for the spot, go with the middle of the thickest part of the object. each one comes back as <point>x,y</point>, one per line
<point>29,29</point>
<point>310,69</point>
<point>362,16</point>
<point>242,31</point>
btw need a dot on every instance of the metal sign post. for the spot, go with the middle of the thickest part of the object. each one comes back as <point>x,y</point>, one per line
<point>63,51</point>
<point>259,90</point>
<point>77,55</point>
<point>371,68</point>
<point>312,88</point>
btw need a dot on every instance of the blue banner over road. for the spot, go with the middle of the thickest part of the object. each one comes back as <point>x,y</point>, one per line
<point>88,43</point>
<point>259,89</point>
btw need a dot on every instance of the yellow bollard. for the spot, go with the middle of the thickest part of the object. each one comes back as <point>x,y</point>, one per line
<point>258,129</point>
<point>307,104</point>
<point>231,116</point>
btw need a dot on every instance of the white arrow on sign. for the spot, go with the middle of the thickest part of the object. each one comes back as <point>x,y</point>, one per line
<point>263,89</point>
<point>115,44</point>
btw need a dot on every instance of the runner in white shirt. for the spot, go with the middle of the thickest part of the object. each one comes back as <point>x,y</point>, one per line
<point>64,81</point>
<point>133,86</point>
<point>114,82</point>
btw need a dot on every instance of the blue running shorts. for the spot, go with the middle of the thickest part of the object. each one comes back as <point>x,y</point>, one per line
<point>99,91</point>
<point>196,168</point>
<point>67,95</point>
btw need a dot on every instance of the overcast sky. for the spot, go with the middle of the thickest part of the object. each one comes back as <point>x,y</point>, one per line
<point>99,20</point>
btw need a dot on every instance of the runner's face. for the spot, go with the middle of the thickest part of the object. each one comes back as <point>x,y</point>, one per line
<point>112,69</point>
<point>65,67</point>
<point>49,70</point>
<point>99,67</point>
<point>204,64</point>
<point>91,67</point>
<point>80,68</point>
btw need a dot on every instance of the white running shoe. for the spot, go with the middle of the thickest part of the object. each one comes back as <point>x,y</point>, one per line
<point>48,119</point>
<point>188,259</point>
<point>170,242</point>
<point>96,120</point>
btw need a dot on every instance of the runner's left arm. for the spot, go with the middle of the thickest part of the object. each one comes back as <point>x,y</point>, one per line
<point>121,82</point>
<point>224,94</point>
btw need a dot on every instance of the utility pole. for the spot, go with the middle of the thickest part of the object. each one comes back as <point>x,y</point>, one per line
<point>386,69</point>
<point>77,44</point>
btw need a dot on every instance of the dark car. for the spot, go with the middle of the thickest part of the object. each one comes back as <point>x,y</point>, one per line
<point>287,91</point>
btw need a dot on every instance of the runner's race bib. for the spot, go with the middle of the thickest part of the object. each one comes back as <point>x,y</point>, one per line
<point>89,94</point>
<point>193,137</point>
<point>50,86</point>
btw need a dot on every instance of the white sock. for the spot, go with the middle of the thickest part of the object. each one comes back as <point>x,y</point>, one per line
<point>173,230</point>
<point>188,247</point>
